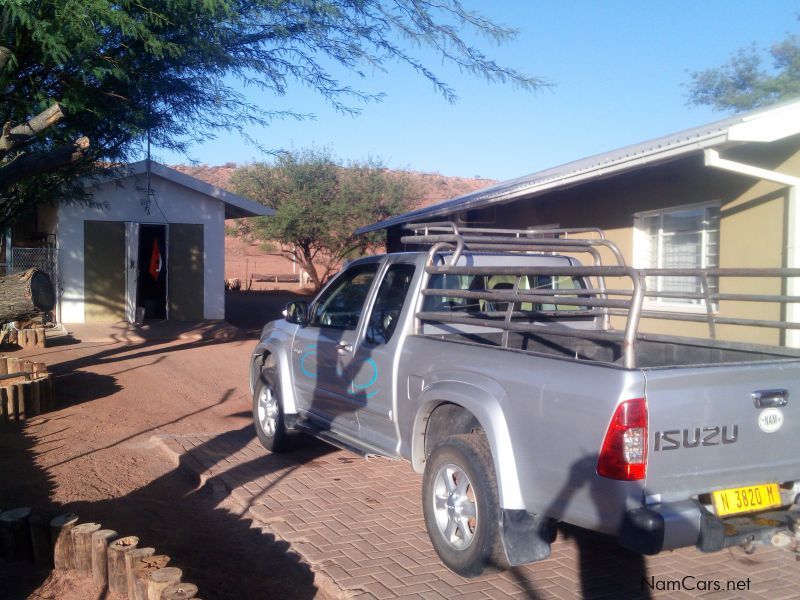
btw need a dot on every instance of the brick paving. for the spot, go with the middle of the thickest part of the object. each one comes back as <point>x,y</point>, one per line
<point>359,523</point>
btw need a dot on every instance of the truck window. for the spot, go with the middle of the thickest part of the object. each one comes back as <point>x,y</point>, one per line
<point>341,305</point>
<point>481,283</point>
<point>389,303</point>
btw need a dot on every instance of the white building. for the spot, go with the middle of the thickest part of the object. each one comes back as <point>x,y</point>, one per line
<point>151,243</point>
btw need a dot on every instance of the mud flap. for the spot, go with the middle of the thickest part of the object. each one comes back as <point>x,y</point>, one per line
<point>526,537</point>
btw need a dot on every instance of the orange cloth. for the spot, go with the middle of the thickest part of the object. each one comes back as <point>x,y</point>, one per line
<point>155,261</point>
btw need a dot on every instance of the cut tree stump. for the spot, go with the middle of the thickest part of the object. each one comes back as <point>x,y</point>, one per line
<point>5,402</point>
<point>41,541</point>
<point>15,534</point>
<point>141,574</point>
<point>25,295</point>
<point>100,541</point>
<point>179,591</point>
<point>117,582</point>
<point>63,552</point>
<point>82,547</point>
<point>131,561</point>
<point>162,579</point>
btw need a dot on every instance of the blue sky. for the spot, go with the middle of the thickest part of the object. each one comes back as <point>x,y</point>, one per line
<point>619,70</point>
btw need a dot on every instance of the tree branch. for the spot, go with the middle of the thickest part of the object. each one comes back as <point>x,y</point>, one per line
<point>41,162</point>
<point>11,137</point>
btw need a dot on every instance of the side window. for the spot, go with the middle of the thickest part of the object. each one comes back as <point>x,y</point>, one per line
<point>341,305</point>
<point>389,303</point>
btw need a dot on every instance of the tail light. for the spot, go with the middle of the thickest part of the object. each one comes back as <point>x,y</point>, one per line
<point>624,452</point>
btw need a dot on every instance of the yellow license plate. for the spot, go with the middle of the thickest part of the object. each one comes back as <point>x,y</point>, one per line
<point>746,499</point>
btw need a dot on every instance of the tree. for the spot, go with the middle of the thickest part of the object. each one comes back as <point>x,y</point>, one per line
<point>319,203</point>
<point>743,83</point>
<point>173,69</point>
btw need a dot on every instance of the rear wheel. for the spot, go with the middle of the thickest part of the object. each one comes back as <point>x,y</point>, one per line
<point>268,413</point>
<point>461,506</point>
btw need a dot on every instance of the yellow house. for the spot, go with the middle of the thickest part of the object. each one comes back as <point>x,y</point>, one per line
<point>720,195</point>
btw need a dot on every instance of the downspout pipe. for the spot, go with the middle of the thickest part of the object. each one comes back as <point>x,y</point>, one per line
<point>713,159</point>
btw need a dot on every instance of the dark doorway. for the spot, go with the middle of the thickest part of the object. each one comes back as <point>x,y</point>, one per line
<point>151,289</point>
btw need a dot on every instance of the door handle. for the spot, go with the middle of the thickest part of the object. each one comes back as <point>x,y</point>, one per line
<point>770,398</point>
<point>344,348</point>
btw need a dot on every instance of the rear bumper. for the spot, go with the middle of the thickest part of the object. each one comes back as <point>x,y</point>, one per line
<point>673,525</point>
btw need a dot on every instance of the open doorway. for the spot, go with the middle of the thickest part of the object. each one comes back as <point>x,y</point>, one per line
<point>151,289</point>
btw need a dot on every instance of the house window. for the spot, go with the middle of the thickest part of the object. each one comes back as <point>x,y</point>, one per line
<point>684,237</point>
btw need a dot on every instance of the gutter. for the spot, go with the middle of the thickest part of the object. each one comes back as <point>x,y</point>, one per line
<point>714,160</point>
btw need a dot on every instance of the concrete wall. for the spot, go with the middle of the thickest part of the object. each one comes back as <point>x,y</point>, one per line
<point>121,200</point>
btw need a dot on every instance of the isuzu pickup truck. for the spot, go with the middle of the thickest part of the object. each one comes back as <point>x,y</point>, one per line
<point>526,392</point>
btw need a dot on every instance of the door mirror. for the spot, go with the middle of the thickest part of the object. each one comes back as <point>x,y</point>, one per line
<point>296,312</point>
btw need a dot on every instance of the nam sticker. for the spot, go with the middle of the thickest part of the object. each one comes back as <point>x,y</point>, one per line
<point>770,420</point>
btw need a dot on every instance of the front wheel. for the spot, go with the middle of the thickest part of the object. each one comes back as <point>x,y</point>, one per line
<point>461,506</point>
<point>268,413</point>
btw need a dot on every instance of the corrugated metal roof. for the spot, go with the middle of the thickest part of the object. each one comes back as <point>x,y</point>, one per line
<point>621,159</point>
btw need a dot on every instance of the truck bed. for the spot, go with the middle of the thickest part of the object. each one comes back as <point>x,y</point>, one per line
<point>649,353</point>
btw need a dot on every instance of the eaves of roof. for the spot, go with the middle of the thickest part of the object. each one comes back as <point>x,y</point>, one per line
<point>764,125</point>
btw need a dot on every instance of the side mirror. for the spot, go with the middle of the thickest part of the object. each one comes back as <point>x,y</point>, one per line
<point>296,312</point>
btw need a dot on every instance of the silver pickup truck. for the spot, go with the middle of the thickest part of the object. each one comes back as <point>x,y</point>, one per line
<point>519,383</point>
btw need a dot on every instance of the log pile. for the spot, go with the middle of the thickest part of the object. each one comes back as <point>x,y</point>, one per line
<point>26,389</point>
<point>101,557</point>
<point>25,295</point>
<point>32,336</point>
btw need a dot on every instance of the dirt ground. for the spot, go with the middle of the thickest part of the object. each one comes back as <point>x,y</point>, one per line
<point>94,456</point>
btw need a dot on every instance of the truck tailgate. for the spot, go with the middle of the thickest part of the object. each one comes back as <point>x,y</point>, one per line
<point>706,432</point>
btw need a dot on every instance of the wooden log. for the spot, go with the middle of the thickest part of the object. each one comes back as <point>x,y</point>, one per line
<point>160,580</point>
<point>41,338</point>
<point>16,409</point>
<point>14,365</point>
<point>100,541</point>
<point>3,365</point>
<point>131,561</point>
<point>25,295</point>
<point>25,399</point>
<point>36,397</point>
<point>82,547</point>
<point>51,397</point>
<point>41,542</point>
<point>63,552</point>
<point>142,571</point>
<point>117,581</point>
<point>39,368</point>
<point>26,365</point>
<point>5,404</point>
<point>179,591</point>
<point>15,536</point>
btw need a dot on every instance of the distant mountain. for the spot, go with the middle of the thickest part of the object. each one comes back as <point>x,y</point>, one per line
<point>436,187</point>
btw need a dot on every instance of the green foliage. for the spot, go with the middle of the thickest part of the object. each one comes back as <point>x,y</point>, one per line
<point>174,68</point>
<point>744,83</point>
<point>319,203</point>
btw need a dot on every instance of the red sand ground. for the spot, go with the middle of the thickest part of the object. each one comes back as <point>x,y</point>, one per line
<point>95,457</point>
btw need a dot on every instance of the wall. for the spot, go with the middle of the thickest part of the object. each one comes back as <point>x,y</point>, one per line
<point>121,200</point>
<point>752,229</point>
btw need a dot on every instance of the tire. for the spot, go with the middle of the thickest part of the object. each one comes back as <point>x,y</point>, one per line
<point>268,413</point>
<point>461,506</point>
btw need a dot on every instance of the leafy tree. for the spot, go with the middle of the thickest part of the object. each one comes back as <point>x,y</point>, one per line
<point>319,203</point>
<point>744,83</point>
<point>120,69</point>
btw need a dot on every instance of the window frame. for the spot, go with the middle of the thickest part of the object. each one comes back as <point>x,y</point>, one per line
<point>641,247</point>
<point>326,292</point>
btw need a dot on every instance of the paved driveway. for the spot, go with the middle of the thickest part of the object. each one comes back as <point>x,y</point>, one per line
<point>358,522</point>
